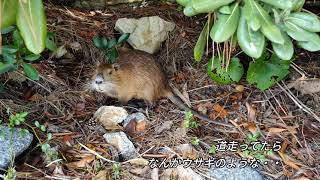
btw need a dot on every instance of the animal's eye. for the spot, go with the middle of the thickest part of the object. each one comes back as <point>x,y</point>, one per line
<point>110,72</point>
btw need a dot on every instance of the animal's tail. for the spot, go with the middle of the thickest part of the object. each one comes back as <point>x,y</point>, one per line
<point>177,101</point>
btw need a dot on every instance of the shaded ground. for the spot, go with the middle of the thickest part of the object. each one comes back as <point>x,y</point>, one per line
<point>59,101</point>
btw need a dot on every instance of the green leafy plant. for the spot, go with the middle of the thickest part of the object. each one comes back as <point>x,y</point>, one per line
<point>110,46</point>
<point>195,141</point>
<point>189,122</point>
<point>29,16</point>
<point>24,30</point>
<point>15,53</point>
<point>258,154</point>
<point>253,25</point>
<point>116,169</point>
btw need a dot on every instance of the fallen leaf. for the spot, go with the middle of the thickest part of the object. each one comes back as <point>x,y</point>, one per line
<point>67,140</point>
<point>82,163</point>
<point>251,112</point>
<point>301,178</point>
<point>239,88</point>
<point>139,161</point>
<point>287,160</point>
<point>35,98</point>
<point>186,95</point>
<point>276,130</point>
<point>102,175</point>
<point>252,127</point>
<point>219,109</point>
<point>140,171</point>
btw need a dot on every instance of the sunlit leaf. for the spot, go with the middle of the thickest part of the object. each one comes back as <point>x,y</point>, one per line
<point>183,2</point>
<point>31,21</point>
<point>284,51</point>
<point>281,4</point>
<point>226,25</point>
<point>307,21</point>
<point>206,6</point>
<point>189,10</point>
<point>8,12</point>
<point>268,28</point>
<point>251,42</point>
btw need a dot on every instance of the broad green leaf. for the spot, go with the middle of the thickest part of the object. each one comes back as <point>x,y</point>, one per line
<point>297,4</point>
<point>32,57</point>
<point>189,10</point>
<point>123,38</point>
<point>112,55</point>
<point>183,2</point>
<point>268,28</point>
<point>249,11</point>
<point>9,49</point>
<point>251,42</point>
<point>312,46</point>
<point>206,6</point>
<point>307,21</point>
<point>281,4</point>
<point>31,21</point>
<point>30,71</point>
<point>284,51</point>
<point>226,25</point>
<point>223,76</point>
<point>112,42</point>
<point>201,43</point>
<point>297,33</point>
<point>265,72</point>
<point>18,41</point>
<point>225,10</point>
<point>8,12</point>
<point>5,67</point>
<point>9,58</point>
<point>100,42</point>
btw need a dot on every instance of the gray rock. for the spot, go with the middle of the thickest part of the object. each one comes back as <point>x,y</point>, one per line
<point>237,173</point>
<point>12,144</point>
<point>146,33</point>
<point>121,142</point>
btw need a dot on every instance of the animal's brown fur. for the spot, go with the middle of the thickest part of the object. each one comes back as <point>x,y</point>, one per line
<point>137,75</point>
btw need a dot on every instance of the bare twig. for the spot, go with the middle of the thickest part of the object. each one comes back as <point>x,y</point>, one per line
<point>298,102</point>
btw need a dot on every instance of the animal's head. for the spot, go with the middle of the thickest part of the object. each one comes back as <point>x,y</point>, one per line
<point>104,76</point>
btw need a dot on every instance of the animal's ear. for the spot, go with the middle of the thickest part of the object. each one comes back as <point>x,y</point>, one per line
<point>116,66</point>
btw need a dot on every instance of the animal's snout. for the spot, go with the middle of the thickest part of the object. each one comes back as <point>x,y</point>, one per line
<point>99,79</point>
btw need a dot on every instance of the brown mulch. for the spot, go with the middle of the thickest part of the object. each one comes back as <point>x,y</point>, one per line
<point>60,102</point>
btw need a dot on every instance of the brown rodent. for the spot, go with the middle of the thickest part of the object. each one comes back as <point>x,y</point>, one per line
<point>137,75</point>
